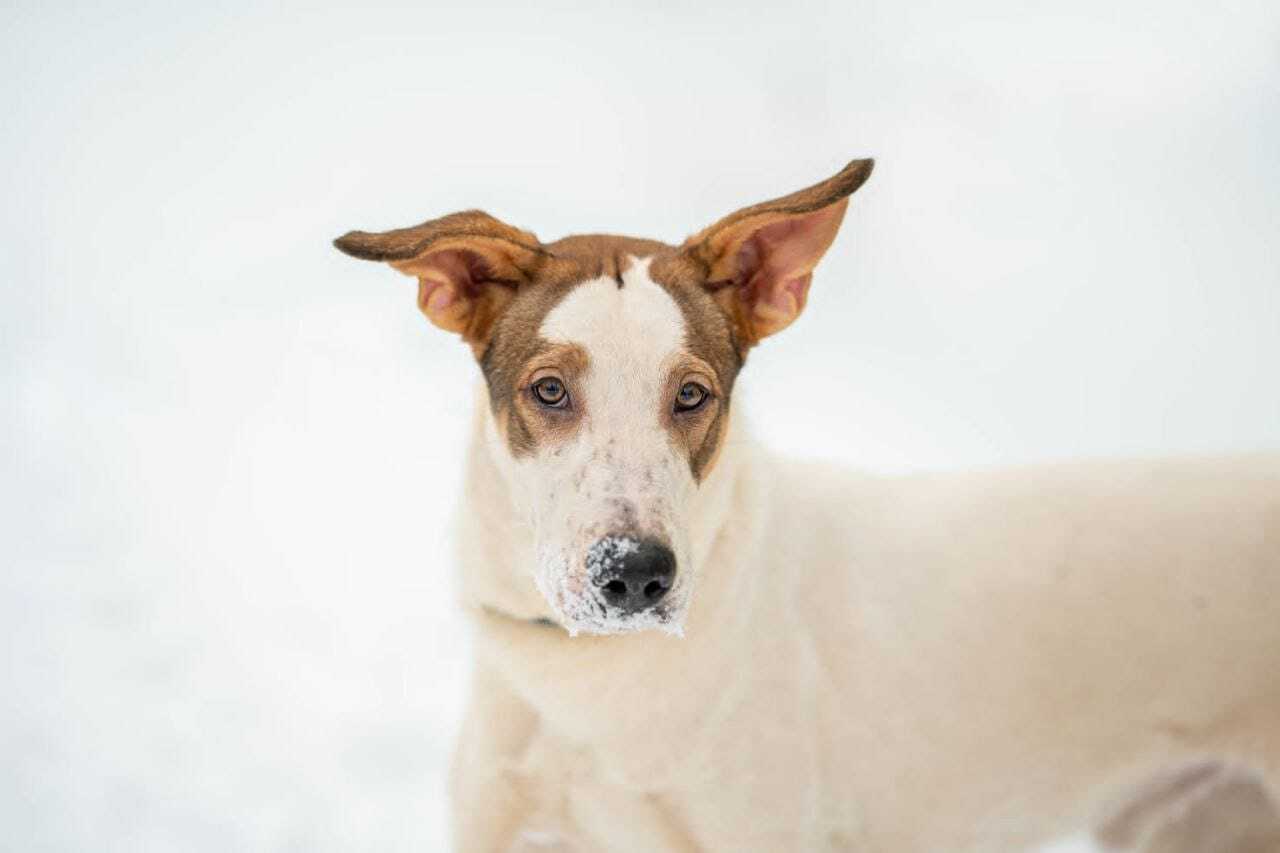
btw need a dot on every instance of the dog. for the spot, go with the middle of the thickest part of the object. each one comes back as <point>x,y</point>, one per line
<point>685,643</point>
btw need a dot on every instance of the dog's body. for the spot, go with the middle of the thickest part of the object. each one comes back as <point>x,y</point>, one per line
<point>941,663</point>
<point>953,662</point>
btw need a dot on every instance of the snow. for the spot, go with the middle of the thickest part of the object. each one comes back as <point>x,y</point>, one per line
<point>608,552</point>
<point>229,455</point>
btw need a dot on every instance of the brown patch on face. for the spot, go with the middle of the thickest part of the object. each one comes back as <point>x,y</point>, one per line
<point>706,454</point>
<point>515,349</point>
<point>606,254</point>
<point>697,432</point>
<point>528,424</point>
<point>495,284</point>
<point>710,340</point>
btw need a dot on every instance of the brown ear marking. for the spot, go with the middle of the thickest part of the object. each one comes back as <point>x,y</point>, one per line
<point>468,265</point>
<point>402,244</point>
<point>841,185</point>
<point>757,262</point>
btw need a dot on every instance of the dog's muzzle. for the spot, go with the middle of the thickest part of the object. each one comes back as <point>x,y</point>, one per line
<point>632,575</point>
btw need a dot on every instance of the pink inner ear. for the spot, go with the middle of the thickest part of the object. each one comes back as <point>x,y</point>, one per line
<point>796,287</point>
<point>784,296</point>
<point>774,263</point>
<point>786,246</point>
<point>451,276</point>
<point>435,295</point>
<point>466,271</point>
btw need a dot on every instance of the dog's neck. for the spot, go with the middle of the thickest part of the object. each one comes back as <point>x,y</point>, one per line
<point>496,542</point>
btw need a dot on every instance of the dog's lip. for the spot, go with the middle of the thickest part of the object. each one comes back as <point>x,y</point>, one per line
<point>665,623</point>
<point>607,621</point>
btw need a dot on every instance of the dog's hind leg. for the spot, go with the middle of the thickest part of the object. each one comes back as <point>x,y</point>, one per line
<point>1237,816</point>
<point>1209,807</point>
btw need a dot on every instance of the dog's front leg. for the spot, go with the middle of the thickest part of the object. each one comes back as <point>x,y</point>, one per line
<point>500,795</point>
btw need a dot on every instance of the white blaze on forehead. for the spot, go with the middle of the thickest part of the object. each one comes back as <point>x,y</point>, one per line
<point>620,478</point>
<point>629,334</point>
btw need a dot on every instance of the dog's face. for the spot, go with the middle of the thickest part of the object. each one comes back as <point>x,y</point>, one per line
<point>610,363</point>
<point>610,402</point>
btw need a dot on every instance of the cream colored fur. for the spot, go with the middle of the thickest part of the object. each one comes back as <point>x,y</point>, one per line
<point>955,662</point>
<point>966,662</point>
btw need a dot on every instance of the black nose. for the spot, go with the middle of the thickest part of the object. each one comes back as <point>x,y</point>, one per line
<point>637,577</point>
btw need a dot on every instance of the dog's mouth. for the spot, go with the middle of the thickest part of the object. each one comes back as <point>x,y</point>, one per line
<point>610,620</point>
<point>587,613</point>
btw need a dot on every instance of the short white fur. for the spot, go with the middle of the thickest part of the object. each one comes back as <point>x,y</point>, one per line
<point>621,475</point>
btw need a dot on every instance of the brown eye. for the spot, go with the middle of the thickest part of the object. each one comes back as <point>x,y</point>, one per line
<point>550,391</point>
<point>691,396</point>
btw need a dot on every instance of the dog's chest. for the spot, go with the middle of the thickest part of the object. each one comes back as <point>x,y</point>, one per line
<point>720,735</point>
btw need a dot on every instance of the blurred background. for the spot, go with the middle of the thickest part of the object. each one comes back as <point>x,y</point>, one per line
<point>228,454</point>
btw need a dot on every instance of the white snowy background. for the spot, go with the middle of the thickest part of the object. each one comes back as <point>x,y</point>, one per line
<point>228,454</point>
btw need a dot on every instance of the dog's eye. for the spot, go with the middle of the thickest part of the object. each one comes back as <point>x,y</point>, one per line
<point>691,396</point>
<point>550,391</point>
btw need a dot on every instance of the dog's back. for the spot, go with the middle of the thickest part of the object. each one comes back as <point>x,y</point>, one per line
<point>1104,621</point>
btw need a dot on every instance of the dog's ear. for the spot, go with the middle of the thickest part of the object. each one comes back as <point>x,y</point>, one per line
<point>468,267</point>
<point>758,261</point>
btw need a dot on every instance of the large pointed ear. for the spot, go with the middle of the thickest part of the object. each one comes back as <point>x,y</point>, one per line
<point>468,267</point>
<point>758,261</point>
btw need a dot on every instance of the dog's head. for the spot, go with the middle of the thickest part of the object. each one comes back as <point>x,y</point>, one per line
<point>610,362</point>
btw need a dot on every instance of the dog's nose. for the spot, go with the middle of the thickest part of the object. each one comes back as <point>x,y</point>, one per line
<point>638,577</point>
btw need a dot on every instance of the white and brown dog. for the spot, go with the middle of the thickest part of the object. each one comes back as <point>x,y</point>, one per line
<point>685,643</point>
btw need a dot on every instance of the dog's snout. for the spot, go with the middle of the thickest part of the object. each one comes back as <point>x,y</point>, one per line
<point>638,576</point>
